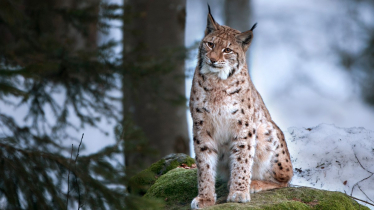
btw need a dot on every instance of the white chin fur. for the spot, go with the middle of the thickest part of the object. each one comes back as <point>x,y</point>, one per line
<point>222,73</point>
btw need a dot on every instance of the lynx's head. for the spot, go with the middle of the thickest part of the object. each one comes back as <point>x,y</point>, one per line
<point>222,50</point>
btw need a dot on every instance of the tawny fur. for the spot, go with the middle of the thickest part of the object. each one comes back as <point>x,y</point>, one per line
<point>233,130</point>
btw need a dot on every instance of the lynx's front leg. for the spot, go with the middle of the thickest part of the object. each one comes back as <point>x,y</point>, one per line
<point>206,159</point>
<point>242,153</point>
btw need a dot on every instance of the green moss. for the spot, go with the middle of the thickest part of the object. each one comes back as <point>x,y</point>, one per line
<point>338,200</point>
<point>175,163</point>
<point>286,205</point>
<point>221,191</point>
<point>190,161</point>
<point>321,199</point>
<point>179,186</point>
<point>277,206</point>
<point>141,182</point>
<point>156,167</point>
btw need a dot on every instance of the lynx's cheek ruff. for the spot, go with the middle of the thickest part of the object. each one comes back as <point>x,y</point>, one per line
<point>222,71</point>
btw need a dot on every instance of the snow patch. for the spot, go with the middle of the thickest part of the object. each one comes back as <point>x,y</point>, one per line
<point>332,158</point>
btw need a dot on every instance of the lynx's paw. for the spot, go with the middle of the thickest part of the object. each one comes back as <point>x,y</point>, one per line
<point>239,197</point>
<point>198,202</point>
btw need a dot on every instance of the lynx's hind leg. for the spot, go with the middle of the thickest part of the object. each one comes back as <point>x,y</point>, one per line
<point>282,170</point>
<point>272,168</point>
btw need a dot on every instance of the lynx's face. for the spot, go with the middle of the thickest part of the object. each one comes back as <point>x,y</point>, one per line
<point>221,55</point>
<point>222,51</point>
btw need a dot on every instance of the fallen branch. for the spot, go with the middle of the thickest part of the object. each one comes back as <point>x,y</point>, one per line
<point>372,204</point>
<point>365,194</point>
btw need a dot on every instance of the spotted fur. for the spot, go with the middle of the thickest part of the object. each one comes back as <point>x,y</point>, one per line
<point>233,130</point>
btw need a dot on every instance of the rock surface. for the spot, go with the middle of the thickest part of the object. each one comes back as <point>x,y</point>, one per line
<point>177,187</point>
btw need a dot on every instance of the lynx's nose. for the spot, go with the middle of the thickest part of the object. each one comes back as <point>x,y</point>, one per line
<point>213,60</point>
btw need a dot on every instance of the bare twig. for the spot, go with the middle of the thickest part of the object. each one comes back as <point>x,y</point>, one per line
<point>362,165</point>
<point>359,182</point>
<point>75,169</point>
<point>79,146</point>
<point>361,200</point>
<point>362,179</point>
<point>76,180</point>
<point>67,194</point>
<point>365,194</point>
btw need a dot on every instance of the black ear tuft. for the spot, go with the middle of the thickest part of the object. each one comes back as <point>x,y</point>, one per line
<point>253,27</point>
<point>210,14</point>
<point>245,39</point>
<point>212,25</point>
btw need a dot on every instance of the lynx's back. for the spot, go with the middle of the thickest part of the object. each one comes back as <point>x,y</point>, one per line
<point>233,130</point>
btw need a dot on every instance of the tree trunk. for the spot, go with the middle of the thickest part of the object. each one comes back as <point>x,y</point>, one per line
<point>238,16</point>
<point>152,35</point>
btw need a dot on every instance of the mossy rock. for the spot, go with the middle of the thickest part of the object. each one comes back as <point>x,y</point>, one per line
<point>179,186</point>
<point>140,182</point>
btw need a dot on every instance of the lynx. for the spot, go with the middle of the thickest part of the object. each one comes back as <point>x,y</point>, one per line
<point>233,130</point>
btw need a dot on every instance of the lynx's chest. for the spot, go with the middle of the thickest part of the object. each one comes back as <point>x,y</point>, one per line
<point>221,103</point>
<point>221,97</point>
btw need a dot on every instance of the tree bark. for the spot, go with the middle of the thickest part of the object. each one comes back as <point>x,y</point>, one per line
<point>153,32</point>
<point>238,16</point>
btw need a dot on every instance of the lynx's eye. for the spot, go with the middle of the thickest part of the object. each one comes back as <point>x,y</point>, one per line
<point>227,50</point>
<point>210,44</point>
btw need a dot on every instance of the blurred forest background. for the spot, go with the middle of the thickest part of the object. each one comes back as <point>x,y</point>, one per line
<point>120,72</point>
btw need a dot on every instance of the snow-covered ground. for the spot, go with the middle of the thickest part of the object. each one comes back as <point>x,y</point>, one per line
<point>332,158</point>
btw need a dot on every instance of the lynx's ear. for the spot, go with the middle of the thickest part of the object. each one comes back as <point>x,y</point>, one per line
<point>212,25</point>
<point>245,38</point>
